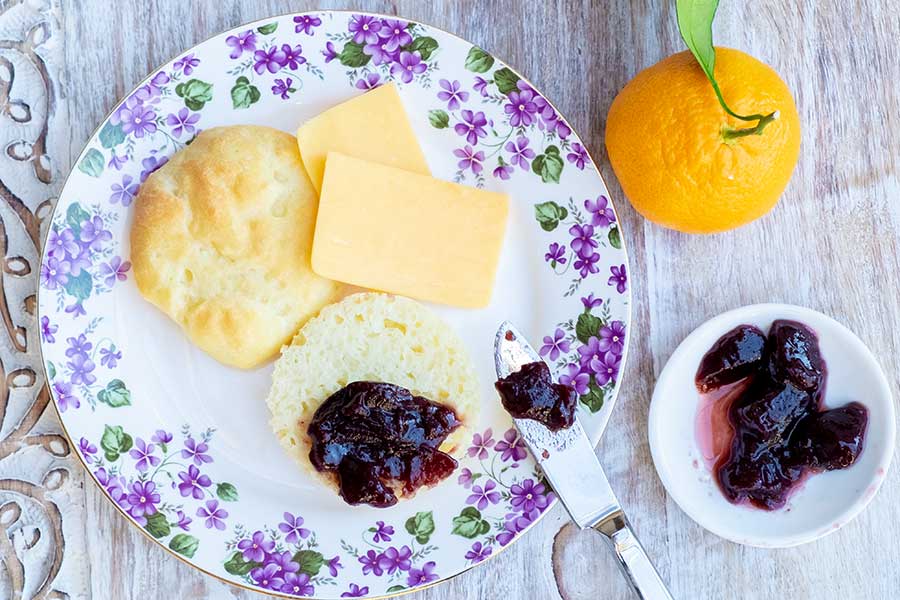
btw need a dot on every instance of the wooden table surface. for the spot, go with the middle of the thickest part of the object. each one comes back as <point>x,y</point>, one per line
<point>831,244</point>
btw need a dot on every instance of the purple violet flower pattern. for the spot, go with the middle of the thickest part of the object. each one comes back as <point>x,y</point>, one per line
<point>330,52</point>
<point>452,94</point>
<point>298,584</point>
<point>334,565</point>
<point>470,159</point>
<point>283,562</point>
<point>471,126</point>
<point>186,64</point>
<point>138,121</point>
<point>521,109</point>
<point>578,156</point>
<point>364,28</point>
<point>511,447</point>
<point>270,60</point>
<point>182,122</point>
<point>283,88</point>
<point>240,43</point>
<point>393,559</point>
<point>306,23</point>
<point>590,302</point>
<point>576,378</point>
<point>555,345</point>
<point>388,48</point>
<point>528,496</point>
<point>481,496</point>
<point>142,500</point>
<point>583,242</point>
<point>382,532</point>
<point>481,443</point>
<point>143,454</point>
<point>355,591</point>
<point>123,192</point>
<point>369,562</point>
<point>478,553</point>
<point>196,451</point>
<point>465,477</point>
<point>422,576</point>
<point>369,82</point>
<point>87,449</point>
<point>520,153</point>
<point>503,170</point>
<point>65,398</point>
<point>256,548</point>
<point>618,278</point>
<point>114,270</point>
<point>556,254</point>
<point>605,367</point>
<point>48,330</point>
<point>293,527</point>
<point>213,515</point>
<point>480,86</point>
<point>161,437</point>
<point>601,212</point>
<point>182,521</point>
<point>267,576</point>
<point>408,66</point>
<point>293,56</point>
<point>587,265</point>
<point>612,338</point>
<point>395,33</point>
<point>55,273</point>
<point>193,483</point>
<point>499,129</point>
<point>151,164</point>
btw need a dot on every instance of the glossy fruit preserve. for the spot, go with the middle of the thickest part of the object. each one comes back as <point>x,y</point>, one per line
<point>779,432</point>
<point>530,393</point>
<point>375,434</point>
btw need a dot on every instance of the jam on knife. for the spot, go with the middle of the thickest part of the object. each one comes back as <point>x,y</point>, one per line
<point>530,393</point>
<point>373,435</point>
<point>780,433</point>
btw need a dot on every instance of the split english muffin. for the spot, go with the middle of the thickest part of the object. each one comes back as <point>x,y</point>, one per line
<point>221,243</point>
<point>370,337</point>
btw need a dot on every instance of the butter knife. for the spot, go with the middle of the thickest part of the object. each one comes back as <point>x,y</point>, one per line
<point>568,461</point>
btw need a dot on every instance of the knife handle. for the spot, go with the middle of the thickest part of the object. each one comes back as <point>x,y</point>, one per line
<point>633,559</point>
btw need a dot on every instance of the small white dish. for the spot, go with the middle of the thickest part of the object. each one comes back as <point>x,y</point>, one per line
<point>826,501</point>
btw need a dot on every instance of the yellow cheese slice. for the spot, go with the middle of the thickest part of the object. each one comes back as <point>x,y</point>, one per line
<point>372,126</point>
<point>387,229</point>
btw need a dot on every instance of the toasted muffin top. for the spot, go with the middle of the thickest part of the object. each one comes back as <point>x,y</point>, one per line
<point>221,243</point>
<point>370,337</point>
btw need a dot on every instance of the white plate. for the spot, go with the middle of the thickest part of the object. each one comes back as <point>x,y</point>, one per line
<point>826,501</point>
<point>121,372</point>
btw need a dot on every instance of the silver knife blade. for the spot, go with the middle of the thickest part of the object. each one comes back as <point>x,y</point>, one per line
<point>567,456</point>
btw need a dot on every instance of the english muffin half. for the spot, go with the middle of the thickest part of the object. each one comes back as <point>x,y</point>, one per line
<point>221,243</point>
<point>370,337</point>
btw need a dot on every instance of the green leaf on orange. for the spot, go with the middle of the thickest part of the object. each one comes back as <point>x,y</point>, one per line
<point>695,19</point>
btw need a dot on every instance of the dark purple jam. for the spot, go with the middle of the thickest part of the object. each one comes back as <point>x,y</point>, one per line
<point>372,435</point>
<point>530,393</point>
<point>779,431</point>
<point>735,355</point>
<point>832,439</point>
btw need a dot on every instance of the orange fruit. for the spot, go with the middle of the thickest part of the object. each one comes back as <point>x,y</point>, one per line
<point>667,142</point>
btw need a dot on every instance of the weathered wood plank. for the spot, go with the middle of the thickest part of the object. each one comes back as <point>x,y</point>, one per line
<point>830,244</point>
